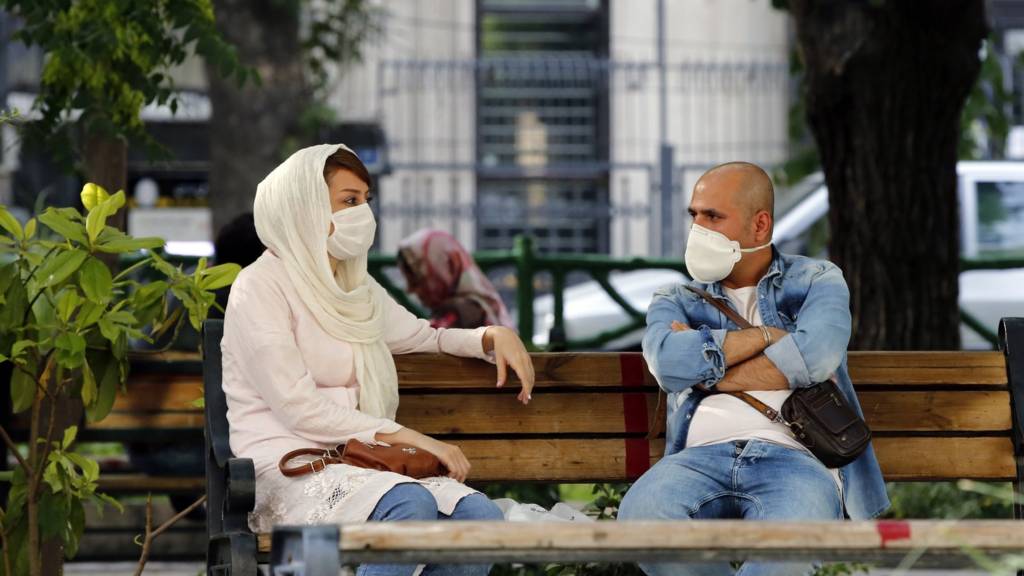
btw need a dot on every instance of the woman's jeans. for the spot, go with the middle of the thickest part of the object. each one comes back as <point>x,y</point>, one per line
<point>414,502</point>
<point>749,480</point>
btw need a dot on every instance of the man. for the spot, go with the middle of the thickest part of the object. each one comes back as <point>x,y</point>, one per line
<point>723,458</point>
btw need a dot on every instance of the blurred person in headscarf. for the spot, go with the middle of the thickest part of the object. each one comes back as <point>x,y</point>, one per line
<point>446,279</point>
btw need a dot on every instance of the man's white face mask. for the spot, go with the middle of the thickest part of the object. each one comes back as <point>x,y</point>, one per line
<point>354,229</point>
<point>711,256</point>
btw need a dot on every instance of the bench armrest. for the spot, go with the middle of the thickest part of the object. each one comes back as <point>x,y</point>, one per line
<point>240,480</point>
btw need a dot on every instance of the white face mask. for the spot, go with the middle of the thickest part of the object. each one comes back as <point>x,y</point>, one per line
<point>710,255</point>
<point>354,229</point>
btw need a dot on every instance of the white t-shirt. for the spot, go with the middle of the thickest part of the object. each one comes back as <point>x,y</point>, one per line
<point>724,418</point>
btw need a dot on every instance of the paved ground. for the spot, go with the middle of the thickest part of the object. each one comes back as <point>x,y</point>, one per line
<point>190,569</point>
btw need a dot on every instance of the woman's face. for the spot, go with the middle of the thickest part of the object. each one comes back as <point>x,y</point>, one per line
<point>347,191</point>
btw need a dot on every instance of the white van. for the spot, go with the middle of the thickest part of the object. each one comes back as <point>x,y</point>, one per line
<point>991,196</point>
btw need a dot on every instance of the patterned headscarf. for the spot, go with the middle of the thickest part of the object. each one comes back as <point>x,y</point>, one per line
<point>444,270</point>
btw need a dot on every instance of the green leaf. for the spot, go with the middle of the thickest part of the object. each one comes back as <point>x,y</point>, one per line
<point>70,350</point>
<point>20,346</point>
<point>129,244</point>
<point>12,312</point>
<point>61,224</point>
<point>10,223</point>
<point>90,468</point>
<point>76,520</point>
<point>53,477</point>
<point>89,388</point>
<point>96,220</point>
<point>89,314</point>
<point>3,358</point>
<point>8,273</point>
<point>53,515</point>
<point>23,391</point>
<point>67,304</point>
<point>109,330</point>
<point>95,280</point>
<point>218,276</point>
<point>58,268</point>
<point>111,502</point>
<point>122,317</point>
<point>69,437</point>
<point>108,374</point>
<point>30,228</point>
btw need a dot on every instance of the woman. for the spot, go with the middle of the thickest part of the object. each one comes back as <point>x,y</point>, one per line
<point>444,277</point>
<point>308,339</point>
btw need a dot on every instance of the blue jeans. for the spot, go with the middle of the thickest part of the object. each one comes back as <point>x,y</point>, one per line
<point>749,480</point>
<point>414,502</point>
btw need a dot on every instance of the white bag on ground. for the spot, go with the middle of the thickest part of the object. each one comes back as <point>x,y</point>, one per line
<point>526,512</point>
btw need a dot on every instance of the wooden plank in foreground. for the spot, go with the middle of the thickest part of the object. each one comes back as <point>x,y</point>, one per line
<point>943,541</point>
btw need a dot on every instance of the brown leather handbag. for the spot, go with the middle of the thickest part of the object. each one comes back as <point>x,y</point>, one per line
<point>399,458</point>
<point>819,415</point>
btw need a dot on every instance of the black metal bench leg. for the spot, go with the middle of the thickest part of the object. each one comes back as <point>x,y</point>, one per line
<point>232,554</point>
<point>1011,341</point>
<point>305,551</point>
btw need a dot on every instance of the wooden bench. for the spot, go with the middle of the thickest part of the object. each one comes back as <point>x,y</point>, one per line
<point>158,409</point>
<point>935,415</point>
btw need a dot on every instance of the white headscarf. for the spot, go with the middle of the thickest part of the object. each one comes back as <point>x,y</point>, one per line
<point>293,218</point>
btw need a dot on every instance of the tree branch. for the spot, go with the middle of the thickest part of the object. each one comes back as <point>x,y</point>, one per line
<point>36,478</point>
<point>14,449</point>
<point>48,443</point>
<point>151,534</point>
<point>6,551</point>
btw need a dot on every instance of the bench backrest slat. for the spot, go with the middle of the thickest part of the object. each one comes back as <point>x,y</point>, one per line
<point>935,415</point>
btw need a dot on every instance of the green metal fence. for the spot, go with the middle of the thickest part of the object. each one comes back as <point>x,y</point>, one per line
<point>528,264</point>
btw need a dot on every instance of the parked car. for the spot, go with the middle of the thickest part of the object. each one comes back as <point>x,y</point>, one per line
<point>991,196</point>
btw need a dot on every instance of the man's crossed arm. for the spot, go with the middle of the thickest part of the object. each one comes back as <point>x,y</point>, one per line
<point>748,368</point>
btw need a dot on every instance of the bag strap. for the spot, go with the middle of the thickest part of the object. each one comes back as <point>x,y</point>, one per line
<point>324,457</point>
<point>740,321</point>
<point>729,312</point>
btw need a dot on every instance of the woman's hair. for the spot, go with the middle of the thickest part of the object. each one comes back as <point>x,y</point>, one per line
<point>346,160</point>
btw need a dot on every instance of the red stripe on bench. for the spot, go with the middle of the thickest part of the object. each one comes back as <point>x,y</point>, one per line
<point>891,530</point>
<point>634,414</point>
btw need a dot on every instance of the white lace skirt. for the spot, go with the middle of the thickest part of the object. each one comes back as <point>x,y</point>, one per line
<point>338,494</point>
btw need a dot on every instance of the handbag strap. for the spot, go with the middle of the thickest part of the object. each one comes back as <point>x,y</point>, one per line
<point>324,457</point>
<point>769,412</point>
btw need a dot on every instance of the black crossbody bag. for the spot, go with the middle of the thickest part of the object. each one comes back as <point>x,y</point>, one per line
<point>819,415</point>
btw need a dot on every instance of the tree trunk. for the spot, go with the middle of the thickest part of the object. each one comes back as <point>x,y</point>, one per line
<point>885,84</point>
<point>106,164</point>
<point>254,126</point>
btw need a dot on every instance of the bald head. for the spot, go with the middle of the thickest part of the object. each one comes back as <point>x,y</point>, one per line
<point>741,184</point>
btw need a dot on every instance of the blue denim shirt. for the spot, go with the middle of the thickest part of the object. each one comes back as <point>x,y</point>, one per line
<point>806,297</point>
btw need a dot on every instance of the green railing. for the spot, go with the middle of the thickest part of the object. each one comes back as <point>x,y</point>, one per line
<point>528,264</point>
<point>972,322</point>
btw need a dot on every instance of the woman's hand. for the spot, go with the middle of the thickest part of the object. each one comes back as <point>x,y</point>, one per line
<point>509,351</point>
<point>449,455</point>
<point>452,457</point>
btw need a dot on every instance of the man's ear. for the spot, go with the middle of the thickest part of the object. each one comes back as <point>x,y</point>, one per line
<point>762,225</point>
